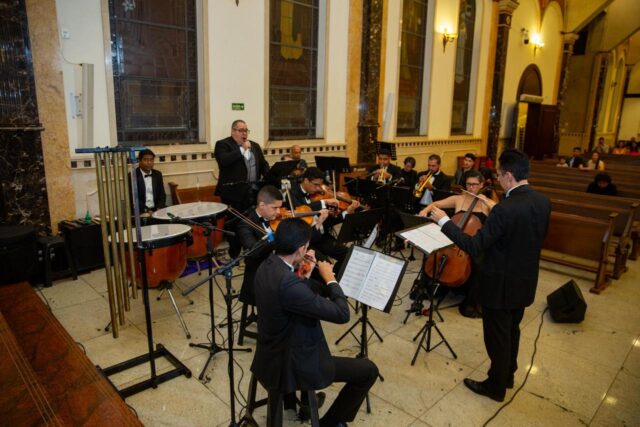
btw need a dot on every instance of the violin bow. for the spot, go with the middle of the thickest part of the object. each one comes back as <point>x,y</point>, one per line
<point>247,220</point>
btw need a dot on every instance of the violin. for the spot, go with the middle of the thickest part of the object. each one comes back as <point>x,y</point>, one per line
<point>305,266</point>
<point>344,199</point>
<point>301,211</point>
<point>457,264</point>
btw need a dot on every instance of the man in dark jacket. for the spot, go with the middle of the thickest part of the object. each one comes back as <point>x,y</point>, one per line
<point>151,194</point>
<point>511,240</point>
<point>292,352</point>
<point>241,164</point>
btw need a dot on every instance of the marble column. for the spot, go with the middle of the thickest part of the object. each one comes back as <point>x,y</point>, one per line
<point>370,79</point>
<point>47,66</point>
<point>567,53</point>
<point>506,9</point>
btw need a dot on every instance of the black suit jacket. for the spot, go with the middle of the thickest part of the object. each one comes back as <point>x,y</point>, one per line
<point>159,195</point>
<point>511,240</point>
<point>233,169</point>
<point>441,182</point>
<point>250,237</point>
<point>292,352</point>
<point>298,198</point>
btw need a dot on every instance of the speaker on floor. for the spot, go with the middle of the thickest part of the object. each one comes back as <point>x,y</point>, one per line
<point>566,304</point>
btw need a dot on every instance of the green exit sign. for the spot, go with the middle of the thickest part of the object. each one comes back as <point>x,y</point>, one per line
<point>237,106</point>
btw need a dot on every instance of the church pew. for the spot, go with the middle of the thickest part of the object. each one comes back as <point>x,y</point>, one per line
<point>623,191</point>
<point>610,165</point>
<point>631,177</point>
<point>621,240</point>
<point>591,244</point>
<point>614,202</point>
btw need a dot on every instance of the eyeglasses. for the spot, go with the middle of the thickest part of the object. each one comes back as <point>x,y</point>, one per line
<point>473,184</point>
<point>242,130</point>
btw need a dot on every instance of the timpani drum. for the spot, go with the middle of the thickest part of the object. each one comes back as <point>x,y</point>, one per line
<point>165,253</point>
<point>201,212</point>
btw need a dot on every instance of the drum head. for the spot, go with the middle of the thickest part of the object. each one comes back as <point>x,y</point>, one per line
<point>190,210</point>
<point>160,235</point>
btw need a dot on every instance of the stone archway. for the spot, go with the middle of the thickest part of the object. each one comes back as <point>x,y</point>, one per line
<point>530,82</point>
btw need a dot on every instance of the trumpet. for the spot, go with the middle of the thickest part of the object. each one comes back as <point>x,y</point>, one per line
<point>419,191</point>
<point>383,171</point>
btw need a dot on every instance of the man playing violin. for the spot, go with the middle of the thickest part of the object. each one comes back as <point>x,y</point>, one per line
<point>252,234</point>
<point>292,351</point>
<point>511,240</point>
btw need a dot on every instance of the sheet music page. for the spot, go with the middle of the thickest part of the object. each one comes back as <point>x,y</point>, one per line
<point>372,237</point>
<point>428,237</point>
<point>356,272</point>
<point>381,281</point>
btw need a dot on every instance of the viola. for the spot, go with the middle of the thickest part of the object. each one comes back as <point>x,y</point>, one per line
<point>457,267</point>
<point>301,211</point>
<point>344,199</point>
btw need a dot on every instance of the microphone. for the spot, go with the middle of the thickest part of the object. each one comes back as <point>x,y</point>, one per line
<point>397,181</point>
<point>369,175</point>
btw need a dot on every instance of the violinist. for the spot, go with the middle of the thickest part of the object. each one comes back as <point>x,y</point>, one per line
<point>251,234</point>
<point>470,306</point>
<point>511,240</point>
<point>312,183</point>
<point>292,352</point>
<point>434,183</point>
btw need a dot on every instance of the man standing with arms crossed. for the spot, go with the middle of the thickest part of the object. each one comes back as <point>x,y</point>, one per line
<point>511,240</point>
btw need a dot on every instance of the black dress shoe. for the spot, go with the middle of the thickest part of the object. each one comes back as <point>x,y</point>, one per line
<point>482,389</point>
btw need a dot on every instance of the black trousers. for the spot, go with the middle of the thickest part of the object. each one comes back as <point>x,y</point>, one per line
<point>359,376</point>
<point>502,340</point>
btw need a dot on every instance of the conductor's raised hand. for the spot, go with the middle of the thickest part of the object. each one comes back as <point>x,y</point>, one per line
<point>437,214</point>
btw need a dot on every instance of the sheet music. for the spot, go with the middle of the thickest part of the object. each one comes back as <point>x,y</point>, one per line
<point>381,281</point>
<point>372,237</point>
<point>371,277</point>
<point>427,238</point>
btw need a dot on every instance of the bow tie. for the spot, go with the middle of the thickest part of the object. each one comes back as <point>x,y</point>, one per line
<point>147,175</point>
<point>265,222</point>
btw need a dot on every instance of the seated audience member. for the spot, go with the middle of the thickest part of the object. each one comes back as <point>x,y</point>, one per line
<point>620,148</point>
<point>562,162</point>
<point>601,147</point>
<point>576,160</point>
<point>594,163</point>
<point>292,352</point>
<point>602,185</point>
<point>633,148</point>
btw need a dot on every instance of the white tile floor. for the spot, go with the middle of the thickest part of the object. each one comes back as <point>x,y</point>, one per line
<point>587,373</point>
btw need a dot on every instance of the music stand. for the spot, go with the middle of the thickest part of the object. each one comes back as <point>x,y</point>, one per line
<point>402,198</point>
<point>333,163</point>
<point>358,225</point>
<point>372,279</point>
<point>280,170</point>
<point>429,239</point>
<point>363,188</point>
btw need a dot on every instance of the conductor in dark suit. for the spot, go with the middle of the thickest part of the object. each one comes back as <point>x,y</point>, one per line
<point>151,194</point>
<point>511,240</point>
<point>292,352</point>
<point>241,164</point>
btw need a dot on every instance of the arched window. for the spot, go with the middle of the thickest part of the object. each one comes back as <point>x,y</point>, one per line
<point>464,58</point>
<point>414,22</point>
<point>293,69</point>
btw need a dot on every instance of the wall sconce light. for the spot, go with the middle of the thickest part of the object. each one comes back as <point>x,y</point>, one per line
<point>537,43</point>
<point>525,36</point>
<point>447,37</point>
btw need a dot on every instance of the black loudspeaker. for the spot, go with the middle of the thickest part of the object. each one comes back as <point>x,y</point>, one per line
<point>85,244</point>
<point>566,304</point>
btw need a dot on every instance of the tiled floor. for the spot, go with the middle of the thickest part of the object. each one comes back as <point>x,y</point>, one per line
<point>583,374</point>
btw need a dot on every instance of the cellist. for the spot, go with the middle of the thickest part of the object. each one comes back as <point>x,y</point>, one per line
<point>474,182</point>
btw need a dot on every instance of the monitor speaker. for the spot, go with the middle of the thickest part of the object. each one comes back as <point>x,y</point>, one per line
<point>566,304</point>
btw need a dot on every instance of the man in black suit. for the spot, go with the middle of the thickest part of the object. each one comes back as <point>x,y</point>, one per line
<point>292,351</point>
<point>151,194</point>
<point>311,183</point>
<point>384,171</point>
<point>241,164</point>
<point>511,240</point>
<point>437,187</point>
<point>576,160</point>
<point>468,163</point>
<point>250,236</point>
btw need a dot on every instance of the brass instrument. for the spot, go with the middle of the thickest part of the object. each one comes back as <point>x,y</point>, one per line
<point>420,188</point>
<point>383,171</point>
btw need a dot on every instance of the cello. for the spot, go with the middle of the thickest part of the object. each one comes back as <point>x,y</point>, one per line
<point>457,265</point>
